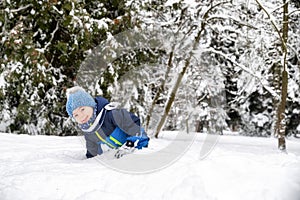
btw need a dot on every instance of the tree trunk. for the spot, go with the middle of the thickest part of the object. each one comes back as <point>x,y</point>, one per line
<point>281,124</point>
<point>171,98</point>
<point>162,86</point>
<point>182,73</point>
<point>177,84</point>
<point>160,90</point>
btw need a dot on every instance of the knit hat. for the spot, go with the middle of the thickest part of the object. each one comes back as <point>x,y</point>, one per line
<point>77,97</point>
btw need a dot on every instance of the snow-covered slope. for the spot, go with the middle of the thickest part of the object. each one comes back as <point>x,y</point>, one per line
<point>50,168</point>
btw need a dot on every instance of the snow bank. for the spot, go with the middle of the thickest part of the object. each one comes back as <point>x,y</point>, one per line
<point>50,167</point>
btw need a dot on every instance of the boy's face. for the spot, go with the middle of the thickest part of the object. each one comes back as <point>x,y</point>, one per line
<point>83,114</point>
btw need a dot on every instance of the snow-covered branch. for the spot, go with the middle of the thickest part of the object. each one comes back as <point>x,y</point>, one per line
<point>246,69</point>
<point>18,9</point>
<point>280,6</point>
<point>294,50</point>
<point>293,12</point>
<point>52,36</point>
<point>273,23</point>
<point>231,18</point>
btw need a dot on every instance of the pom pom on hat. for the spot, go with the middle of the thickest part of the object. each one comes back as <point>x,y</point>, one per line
<point>77,97</point>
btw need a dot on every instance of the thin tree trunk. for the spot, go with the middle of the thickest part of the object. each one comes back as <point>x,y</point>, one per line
<point>177,84</point>
<point>280,128</point>
<point>160,90</point>
<point>171,98</point>
<point>162,86</point>
<point>280,125</point>
<point>182,73</point>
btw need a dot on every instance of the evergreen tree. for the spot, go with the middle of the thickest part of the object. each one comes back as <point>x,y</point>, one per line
<point>42,46</point>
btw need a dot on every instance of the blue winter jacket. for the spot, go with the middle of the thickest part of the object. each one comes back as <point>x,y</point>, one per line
<point>114,128</point>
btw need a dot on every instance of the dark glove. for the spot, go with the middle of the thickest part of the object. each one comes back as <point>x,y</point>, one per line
<point>127,148</point>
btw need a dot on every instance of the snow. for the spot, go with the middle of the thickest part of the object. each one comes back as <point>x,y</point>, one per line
<point>236,167</point>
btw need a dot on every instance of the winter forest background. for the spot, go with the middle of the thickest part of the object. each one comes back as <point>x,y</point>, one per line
<point>236,63</point>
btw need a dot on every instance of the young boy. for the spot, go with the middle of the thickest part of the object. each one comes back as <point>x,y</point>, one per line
<point>102,123</point>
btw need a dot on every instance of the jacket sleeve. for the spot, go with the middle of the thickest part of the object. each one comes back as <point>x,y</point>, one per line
<point>92,148</point>
<point>126,121</point>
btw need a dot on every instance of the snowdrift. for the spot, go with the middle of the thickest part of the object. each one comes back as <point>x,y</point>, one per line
<point>50,168</point>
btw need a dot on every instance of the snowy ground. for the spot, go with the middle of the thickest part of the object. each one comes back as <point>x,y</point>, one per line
<point>52,168</point>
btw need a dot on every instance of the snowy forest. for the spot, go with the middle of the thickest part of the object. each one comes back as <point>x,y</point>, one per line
<point>179,64</point>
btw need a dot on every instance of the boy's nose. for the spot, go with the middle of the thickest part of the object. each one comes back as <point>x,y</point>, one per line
<point>83,117</point>
<point>80,117</point>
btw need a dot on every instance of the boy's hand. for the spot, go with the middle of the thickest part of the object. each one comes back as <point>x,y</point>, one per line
<point>127,148</point>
